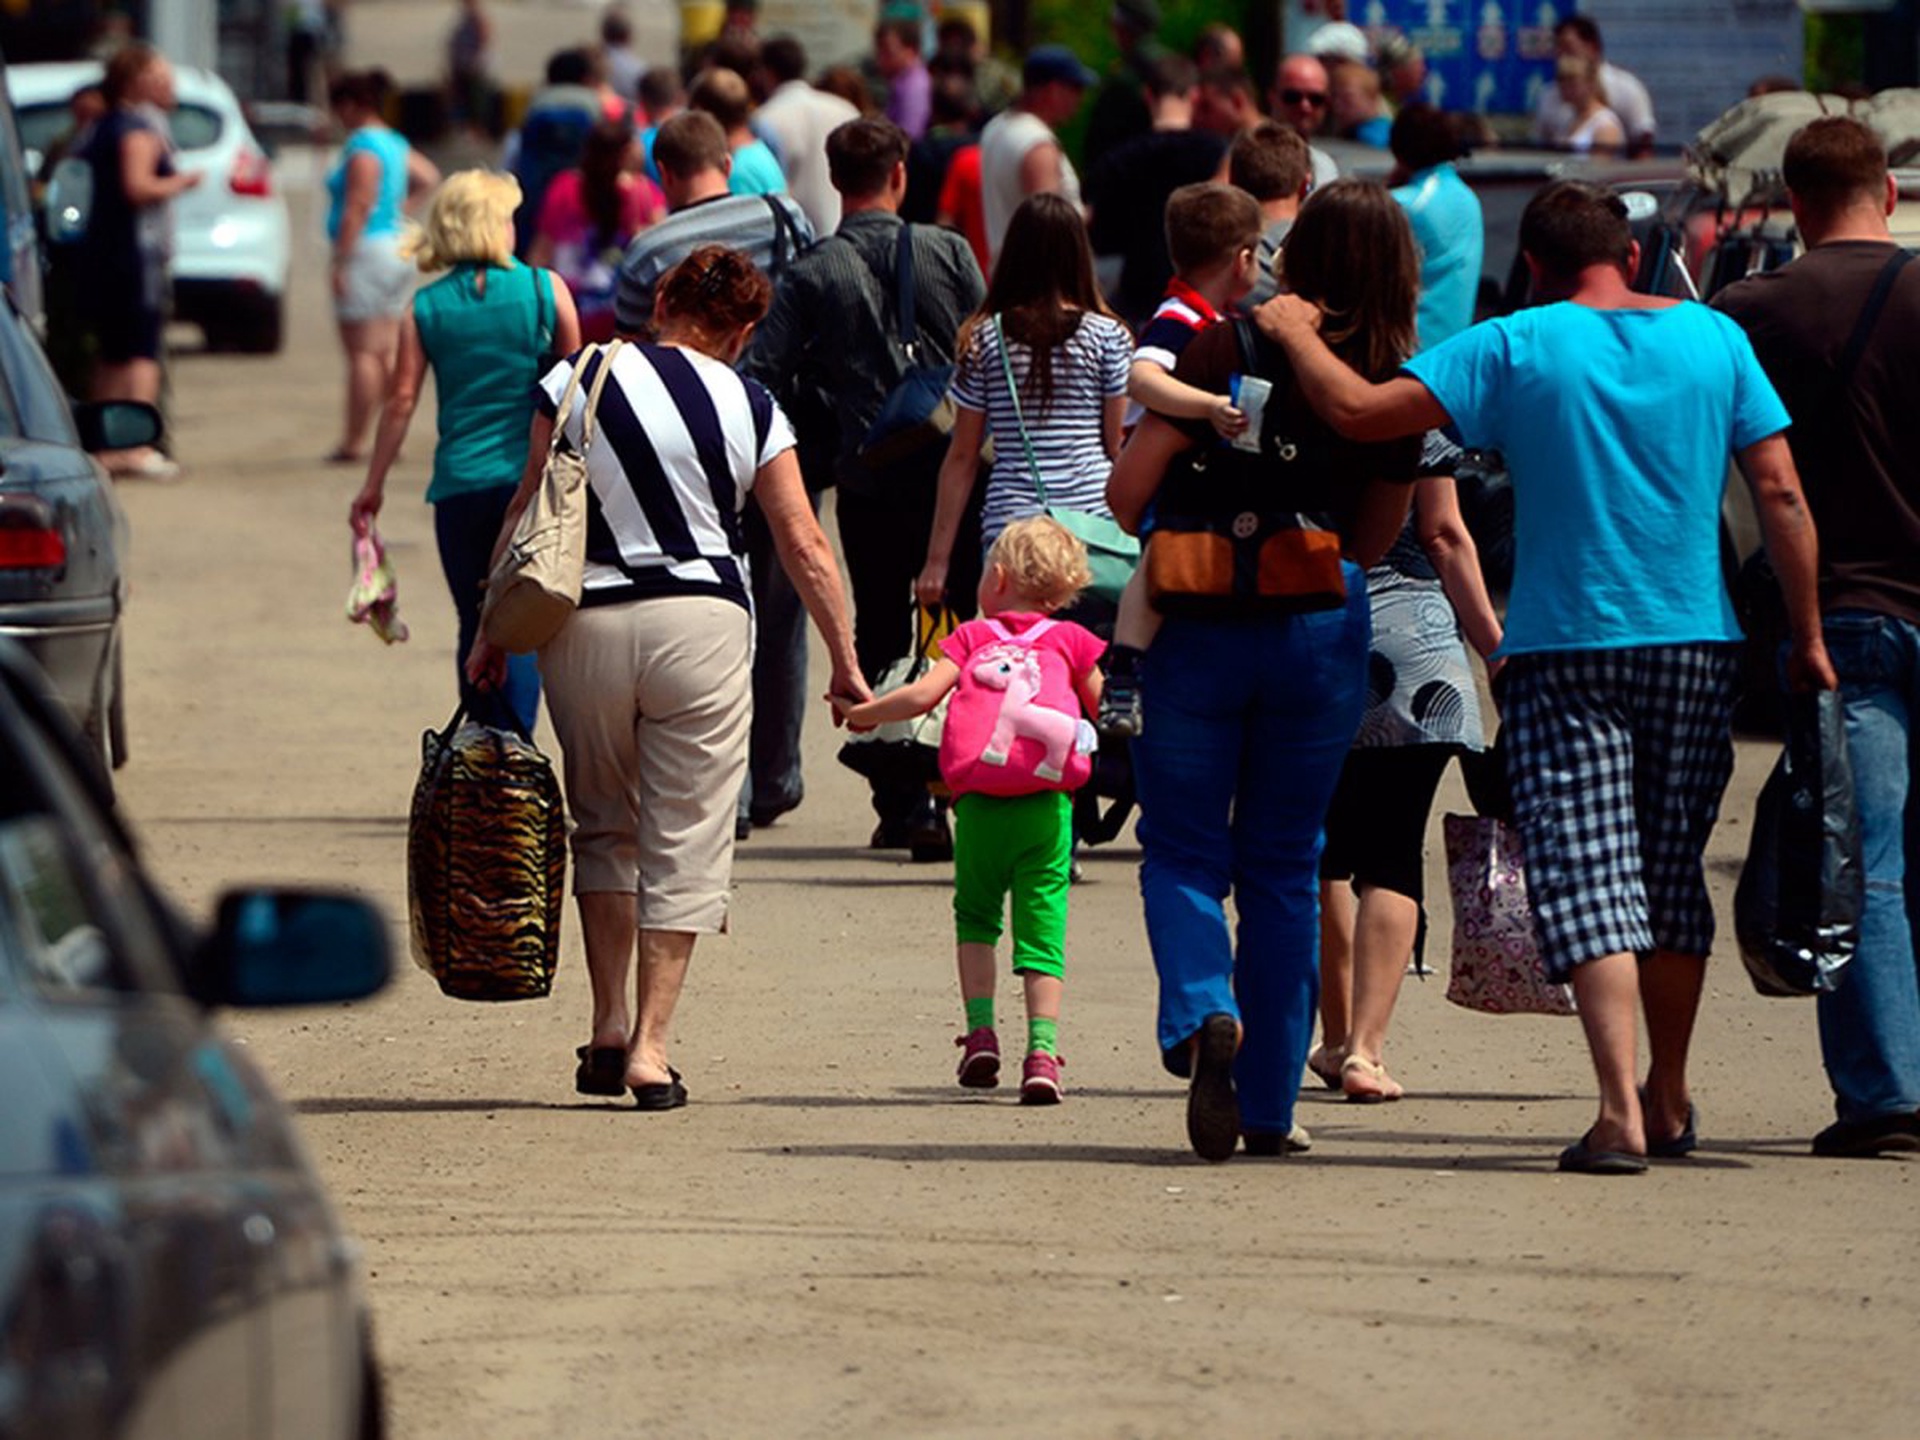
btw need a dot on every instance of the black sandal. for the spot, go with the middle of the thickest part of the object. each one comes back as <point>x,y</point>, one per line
<point>661,1095</point>
<point>602,1070</point>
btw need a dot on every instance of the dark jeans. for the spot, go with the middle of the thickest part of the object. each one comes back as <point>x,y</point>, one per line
<point>885,538</point>
<point>466,527</point>
<point>779,675</point>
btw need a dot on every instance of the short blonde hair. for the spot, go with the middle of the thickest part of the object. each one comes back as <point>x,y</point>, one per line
<point>468,222</point>
<point>1043,561</point>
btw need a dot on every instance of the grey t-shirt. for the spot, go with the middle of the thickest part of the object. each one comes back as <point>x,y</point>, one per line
<point>1265,286</point>
<point>742,222</point>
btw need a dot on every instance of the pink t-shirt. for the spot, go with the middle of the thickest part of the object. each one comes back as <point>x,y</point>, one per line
<point>587,261</point>
<point>1013,724</point>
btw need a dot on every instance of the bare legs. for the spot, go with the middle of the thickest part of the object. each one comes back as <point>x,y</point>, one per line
<point>977,973</point>
<point>1610,992</point>
<point>371,347</point>
<point>609,924</point>
<point>1364,950</point>
<point>1336,981</point>
<point>1383,936</point>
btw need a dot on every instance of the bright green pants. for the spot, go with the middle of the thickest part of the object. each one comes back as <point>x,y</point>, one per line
<point>1022,844</point>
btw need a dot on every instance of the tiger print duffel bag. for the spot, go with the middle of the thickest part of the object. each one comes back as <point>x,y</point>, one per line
<point>486,863</point>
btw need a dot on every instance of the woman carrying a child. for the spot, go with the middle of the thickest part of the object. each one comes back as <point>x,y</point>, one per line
<point>1015,745</point>
<point>1042,361</point>
<point>1249,712</point>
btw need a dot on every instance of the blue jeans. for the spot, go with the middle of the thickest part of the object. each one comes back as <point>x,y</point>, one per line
<point>1870,1026</point>
<point>1246,726</point>
<point>779,674</point>
<point>466,527</point>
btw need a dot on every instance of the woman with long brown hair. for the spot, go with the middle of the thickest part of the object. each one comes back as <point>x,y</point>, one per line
<point>1045,326</point>
<point>590,216</point>
<point>1250,710</point>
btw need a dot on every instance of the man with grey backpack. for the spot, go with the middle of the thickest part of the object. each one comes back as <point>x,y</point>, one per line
<point>870,314</point>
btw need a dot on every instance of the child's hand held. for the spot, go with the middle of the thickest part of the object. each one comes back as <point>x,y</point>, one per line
<point>1228,419</point>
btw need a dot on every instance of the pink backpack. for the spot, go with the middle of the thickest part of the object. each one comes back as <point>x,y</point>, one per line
<point>1013,723</point>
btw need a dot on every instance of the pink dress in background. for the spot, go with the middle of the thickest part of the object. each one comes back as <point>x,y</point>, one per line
<point>587,261</point>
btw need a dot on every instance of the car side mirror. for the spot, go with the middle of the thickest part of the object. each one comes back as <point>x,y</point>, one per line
<point>293,947</point>
<point>116,424</point>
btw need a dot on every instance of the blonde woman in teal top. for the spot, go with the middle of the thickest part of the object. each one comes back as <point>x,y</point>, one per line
<point>484,328</point>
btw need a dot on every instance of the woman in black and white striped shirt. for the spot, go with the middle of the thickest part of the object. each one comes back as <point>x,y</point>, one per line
<point>649,683</point>
<point>1045,320</point>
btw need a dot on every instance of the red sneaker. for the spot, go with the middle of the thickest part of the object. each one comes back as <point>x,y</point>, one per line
<point>979,1059</point>
<point>1040,1079</point>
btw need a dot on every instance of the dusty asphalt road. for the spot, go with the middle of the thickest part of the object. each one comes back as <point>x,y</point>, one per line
<point>831,1239</point>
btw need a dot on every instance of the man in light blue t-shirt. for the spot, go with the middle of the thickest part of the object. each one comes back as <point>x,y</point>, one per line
<point>1617,413</point>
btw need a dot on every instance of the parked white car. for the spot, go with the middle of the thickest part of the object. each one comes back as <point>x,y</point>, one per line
<point>230,231</point>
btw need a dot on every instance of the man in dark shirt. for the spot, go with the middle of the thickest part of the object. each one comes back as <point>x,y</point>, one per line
<point>1838,332</point>
<point>955,108</point>
<point>1128,191</point>
<point>835,316</point>
<point>1120,113</point>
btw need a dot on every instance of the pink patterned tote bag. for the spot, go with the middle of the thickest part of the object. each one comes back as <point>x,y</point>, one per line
<point>1496,957</point>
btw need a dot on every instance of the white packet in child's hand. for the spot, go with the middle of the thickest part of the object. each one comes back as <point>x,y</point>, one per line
<point>1250,395</point>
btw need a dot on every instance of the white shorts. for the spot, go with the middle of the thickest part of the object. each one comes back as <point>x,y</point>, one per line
<point>379,281</point>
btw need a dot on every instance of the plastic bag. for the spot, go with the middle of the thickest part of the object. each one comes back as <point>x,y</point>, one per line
<point>905,752</point>
<point>1796,910</point>
<point>486,863</point>
<point>1496,967</point>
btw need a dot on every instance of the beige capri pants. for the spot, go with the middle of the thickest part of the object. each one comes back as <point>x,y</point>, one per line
<point>653,703</point>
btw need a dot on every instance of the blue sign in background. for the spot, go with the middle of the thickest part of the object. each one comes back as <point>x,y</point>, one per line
<point>1486,55</point>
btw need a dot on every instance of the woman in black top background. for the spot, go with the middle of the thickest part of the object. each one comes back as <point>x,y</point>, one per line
<point>129,239</point>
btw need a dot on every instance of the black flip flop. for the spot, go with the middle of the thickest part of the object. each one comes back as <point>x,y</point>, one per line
<point>1213,1111</point>
<point>1678,1147</point>
<point>602,1070</point>
<point>1580,1158</point>
<point>666,1095</point>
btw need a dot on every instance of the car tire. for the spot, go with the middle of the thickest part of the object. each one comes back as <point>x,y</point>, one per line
<point>263,333</point>
<point>117,711</point>
<point>373,1397</point>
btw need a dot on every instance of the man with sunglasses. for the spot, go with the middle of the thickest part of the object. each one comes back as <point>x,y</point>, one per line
<point>1301,94</point>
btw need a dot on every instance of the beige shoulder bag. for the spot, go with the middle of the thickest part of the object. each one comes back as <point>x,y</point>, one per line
<point>535,587</point>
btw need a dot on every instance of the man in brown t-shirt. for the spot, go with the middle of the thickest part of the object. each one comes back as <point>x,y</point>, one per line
<point>1838,332</point>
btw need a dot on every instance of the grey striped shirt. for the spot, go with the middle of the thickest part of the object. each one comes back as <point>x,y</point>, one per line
<point>740,222</point>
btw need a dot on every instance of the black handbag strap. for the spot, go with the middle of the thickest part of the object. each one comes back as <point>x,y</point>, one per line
<point>786,238</point>
<point>1249,351</point>
<point>905,318</point>
<point>903,298</point>
<point>1863,328</point>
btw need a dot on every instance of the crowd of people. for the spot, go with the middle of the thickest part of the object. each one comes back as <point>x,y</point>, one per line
<point>1222,364</point>
<point>778,254</point>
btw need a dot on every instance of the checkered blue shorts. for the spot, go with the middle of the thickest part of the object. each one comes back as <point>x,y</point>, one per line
<point>1618,759</point>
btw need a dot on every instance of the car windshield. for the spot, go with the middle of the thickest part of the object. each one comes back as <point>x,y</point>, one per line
<point>195,127</point>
